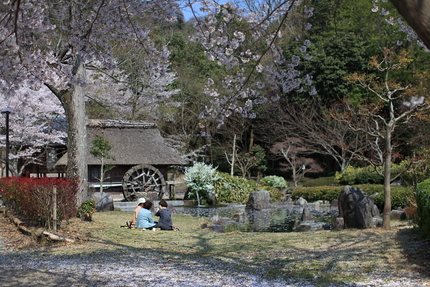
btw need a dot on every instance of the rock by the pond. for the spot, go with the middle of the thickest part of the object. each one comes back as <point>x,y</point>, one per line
<point>307,215</point>
<point>334,207</point>
<point>239,217</point>
<point>398,215</point>
<point>307,222</point>
<point>312,226</point>
<point>216,219</point>
<point>104,201</point>
<point>358,209</point>
<point>339,223</point>
<point>259,219</point>
<point>259,199</point>
<point>301,202</point>
<point>216,227</point>
<point>287,198</point>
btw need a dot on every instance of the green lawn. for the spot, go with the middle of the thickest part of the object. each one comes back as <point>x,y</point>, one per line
<point>326,256</point>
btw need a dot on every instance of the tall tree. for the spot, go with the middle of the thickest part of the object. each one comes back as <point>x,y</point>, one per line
<point>51,43</point>
<point>392,102</point>
<point>319,132</point>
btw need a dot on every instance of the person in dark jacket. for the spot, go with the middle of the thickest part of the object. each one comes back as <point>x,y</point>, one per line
<point>165,221</point>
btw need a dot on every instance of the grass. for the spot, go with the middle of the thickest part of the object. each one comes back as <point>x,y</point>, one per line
<point>325,257</point>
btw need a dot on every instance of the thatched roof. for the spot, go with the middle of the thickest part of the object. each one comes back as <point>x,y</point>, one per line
<point>132,143</point>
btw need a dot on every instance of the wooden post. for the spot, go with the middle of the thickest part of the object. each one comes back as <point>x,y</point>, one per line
<point>54,211</point>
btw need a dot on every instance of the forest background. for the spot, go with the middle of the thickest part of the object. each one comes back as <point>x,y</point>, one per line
<point>314,127</point>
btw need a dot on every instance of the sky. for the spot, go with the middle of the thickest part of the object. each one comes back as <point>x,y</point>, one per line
<point>187,11</point>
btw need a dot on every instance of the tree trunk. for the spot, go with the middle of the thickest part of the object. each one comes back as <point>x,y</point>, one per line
<point>233,157</point>
<point>417,14</point>
<point>102,177</point>
<point>387,178</point>
<point>74,106</point>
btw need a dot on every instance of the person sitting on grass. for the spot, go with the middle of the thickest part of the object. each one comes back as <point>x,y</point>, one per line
<point>132,223</point>
<point>165,222</point>
<point>144,217</point>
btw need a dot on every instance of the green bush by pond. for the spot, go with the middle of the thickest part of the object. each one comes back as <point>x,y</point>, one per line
<point>423,206</point>
<point>230,189</point>
<point>358,175</point>
<point>400,196</point>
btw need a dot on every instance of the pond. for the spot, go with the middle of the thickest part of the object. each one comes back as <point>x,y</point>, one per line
<point>279,218</point>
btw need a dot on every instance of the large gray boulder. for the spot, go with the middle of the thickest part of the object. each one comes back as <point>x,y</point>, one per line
<point>307,215</point>
<point>258,210</point>
<point>259,219</point>
<point>104,201</point>
<point>307,222</point>
<point>301,202</point>
<point>259,199</point>
<point>357,208</point>
<point>398,215</point>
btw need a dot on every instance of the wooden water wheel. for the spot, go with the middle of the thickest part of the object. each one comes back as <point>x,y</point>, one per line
<point>143,181</point>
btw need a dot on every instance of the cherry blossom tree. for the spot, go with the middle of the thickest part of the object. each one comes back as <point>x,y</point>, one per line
<point>52,43</point>
<point>417,14</point>
<point>35,123</point>
<point>245,43</point>
<point>132,97</point>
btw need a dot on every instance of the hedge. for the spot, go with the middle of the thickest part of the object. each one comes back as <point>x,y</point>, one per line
<point>400,196</point>
<point>230,189</point>
<point>33,198</point>
<point>423,206</point>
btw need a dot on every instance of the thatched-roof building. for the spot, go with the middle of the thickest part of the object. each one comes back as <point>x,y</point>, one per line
<point>133,143</point>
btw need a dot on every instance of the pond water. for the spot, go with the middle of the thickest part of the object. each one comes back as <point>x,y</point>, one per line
<point>279,218</point>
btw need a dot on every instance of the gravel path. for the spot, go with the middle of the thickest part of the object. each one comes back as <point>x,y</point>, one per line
<point>20,268</point>
<point>32,269</point>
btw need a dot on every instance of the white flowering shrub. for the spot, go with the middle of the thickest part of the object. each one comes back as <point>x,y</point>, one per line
<point>199,179</point>
<point>275,181</point>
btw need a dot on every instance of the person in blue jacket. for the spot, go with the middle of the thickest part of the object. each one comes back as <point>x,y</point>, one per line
<point>144,217</point>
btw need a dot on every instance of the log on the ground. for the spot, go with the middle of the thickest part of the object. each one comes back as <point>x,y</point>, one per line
<point>56,237</point>
<point>35,232</point>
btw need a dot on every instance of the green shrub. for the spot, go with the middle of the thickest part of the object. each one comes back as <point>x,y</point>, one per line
<point>320,181</point>
<point>230,189</point>
<point>88,207</point>
<point>412,176</point>
<point>275,181</point>
<point>275,193</point>
<point>423,206</point>
<point>361,175</point>
<point>400,196</point>
<point>317,193</point>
